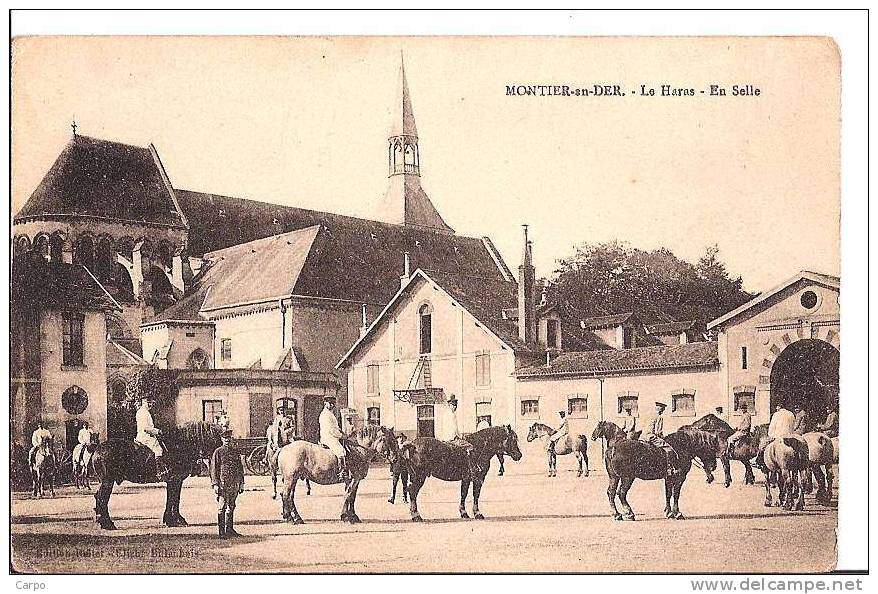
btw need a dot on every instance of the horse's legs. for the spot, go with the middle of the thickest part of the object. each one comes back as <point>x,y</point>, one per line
<point>170,516</point>
<point>404,477</point>
<point>477,490</point>
<point>677,489</point>
<point>611,495</point>
<point>727,469</point>
<point>749,478</point>
<point>767,489</point>
<point>829,479</point>
<point>584,452</point>
<point>579,463</point>
<point>624,485</point>
<point>464,490</point>
<point>709,475</point>
<point>178,488</point>
<point>668,492</point>
<point>394,478</point>
<point>353,518</point>
<point>548,462</point>
<point>102,500</point>
<point>35,478</point>
<point>52,483</point>
<point>272,470</point>
<point>800,501</point>
<point>414,486</point>
<point>308,487</point>
<point>821,482</point>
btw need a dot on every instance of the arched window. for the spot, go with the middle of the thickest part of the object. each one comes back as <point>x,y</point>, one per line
<point>425,314</point>
<point>198,359</point>
<point>56,248</point>
<point>104,258</point>
<point>84,253</point>
<point>41,245</point>
<point>21,245</point>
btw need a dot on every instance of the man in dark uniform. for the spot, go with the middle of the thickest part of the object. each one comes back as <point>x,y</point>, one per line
<point>830,425</point>
<point>227,478</point>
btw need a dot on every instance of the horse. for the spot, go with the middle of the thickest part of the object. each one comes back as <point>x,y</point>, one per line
<point>398,471</point>
<point>305,460</point>
<point>287,435</point>
<point>786,460</point>
<point>744,450</point>
<point>81,459</point>
<point>628,459</point>
<point>427,456</point>
<point>821,457</point>
<point>116,460</point>
<point>577,444</point>
<point>43,467</point>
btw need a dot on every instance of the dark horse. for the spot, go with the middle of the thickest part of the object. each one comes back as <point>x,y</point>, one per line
<point>117,460</point>
<point>427,456</point>
<point>628,459</point>
<point>745,449</point>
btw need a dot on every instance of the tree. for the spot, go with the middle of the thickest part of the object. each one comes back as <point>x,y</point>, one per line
<point>609,278</point>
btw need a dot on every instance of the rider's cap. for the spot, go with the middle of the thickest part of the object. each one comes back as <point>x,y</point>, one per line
<point>661,404</point>
<point>452,399</point>
<point>227,433</point>
<point>562,412</point>
<point>329,399</point>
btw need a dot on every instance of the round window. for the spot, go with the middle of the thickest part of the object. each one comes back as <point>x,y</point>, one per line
<point>74,400</point>
<point>809,299</point>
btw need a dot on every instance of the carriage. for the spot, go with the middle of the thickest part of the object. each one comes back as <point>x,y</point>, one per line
<point>252,451</point>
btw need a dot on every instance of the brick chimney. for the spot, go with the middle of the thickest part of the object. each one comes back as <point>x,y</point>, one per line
<point>527,322</point>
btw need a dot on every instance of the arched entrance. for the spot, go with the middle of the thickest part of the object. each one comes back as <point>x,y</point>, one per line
<point>806,374</point>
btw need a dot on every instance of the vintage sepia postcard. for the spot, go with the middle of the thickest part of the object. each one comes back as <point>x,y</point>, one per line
<point>425,304</point>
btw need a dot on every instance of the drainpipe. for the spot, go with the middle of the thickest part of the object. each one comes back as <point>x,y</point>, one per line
<point>283,324</point>
<point>601,380</point>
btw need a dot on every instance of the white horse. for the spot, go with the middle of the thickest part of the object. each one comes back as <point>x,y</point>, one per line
<point>43,467</point>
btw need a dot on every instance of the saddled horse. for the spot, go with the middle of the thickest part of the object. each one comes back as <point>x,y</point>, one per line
<point>573,444</point>
<point>81,462</point>
<point>427,456</point>
<point>398,471</point>
<point>43,467</point>
<point>629,459</point>
<point>821,457</point>
<point>286,436</point>
<point>305,460</point>
<point>786,462</point>
<point>744,449</point>
<point>117,460</point>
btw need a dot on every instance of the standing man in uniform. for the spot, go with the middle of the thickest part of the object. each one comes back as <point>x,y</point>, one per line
<point>451,434</point>
<point>227,478</point>
<point>331,436</point>
<point>223,421</point>
<point>148,433</point>
<point>655,431</point>
<point>562,432</point>
<point>41,436</point>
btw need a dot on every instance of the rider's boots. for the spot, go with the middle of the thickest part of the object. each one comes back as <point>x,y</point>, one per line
<point>221,524</point>
<point>161,469</point>
<point>230,524</point>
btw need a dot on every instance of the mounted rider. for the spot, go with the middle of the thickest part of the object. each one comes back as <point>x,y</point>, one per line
<point>629,426</point>
<point>830,425</point>
<point>148,433</point>
<point>275,431</point>
<point>655,430</point>
<point>451,434</point>
<point>562,432</point>
<point>745,425</point>
<point>332,437</point>
<point>782,423</point>
<point>803,422</point>
<point>84,438</point>
<point>41,438</point>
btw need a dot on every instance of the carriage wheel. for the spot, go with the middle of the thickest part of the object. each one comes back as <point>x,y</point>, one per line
<point>255,461</point>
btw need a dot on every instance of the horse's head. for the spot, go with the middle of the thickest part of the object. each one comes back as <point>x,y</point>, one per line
<point>387,444</point>
<point>510,443</point>
<point>604,429</point>
<point>532,432</point>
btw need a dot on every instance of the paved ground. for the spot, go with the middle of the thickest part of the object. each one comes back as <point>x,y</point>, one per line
<point>534,523</point>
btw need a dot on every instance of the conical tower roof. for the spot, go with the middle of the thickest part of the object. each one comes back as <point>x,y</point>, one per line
<point>403,122</point>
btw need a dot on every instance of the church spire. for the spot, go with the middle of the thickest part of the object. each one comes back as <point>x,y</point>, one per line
<point>405,202</point>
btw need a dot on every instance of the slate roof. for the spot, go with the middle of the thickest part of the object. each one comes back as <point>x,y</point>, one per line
<point>57,286</point>
<point>607,321</point>
<point>352,259</point>
<point>119,356</point>
<point>670,327</point>
<point>103,178</point>
<point>637,360</point>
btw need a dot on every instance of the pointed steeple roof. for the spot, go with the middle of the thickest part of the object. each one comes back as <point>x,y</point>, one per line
<point>406,202</point>
<point>403,122</point>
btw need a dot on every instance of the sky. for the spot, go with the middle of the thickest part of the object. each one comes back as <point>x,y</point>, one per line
<point>304,122</point>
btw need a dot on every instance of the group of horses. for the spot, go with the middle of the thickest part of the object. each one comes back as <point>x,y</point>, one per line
<point>787,462</point>
<point>44,466</point>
